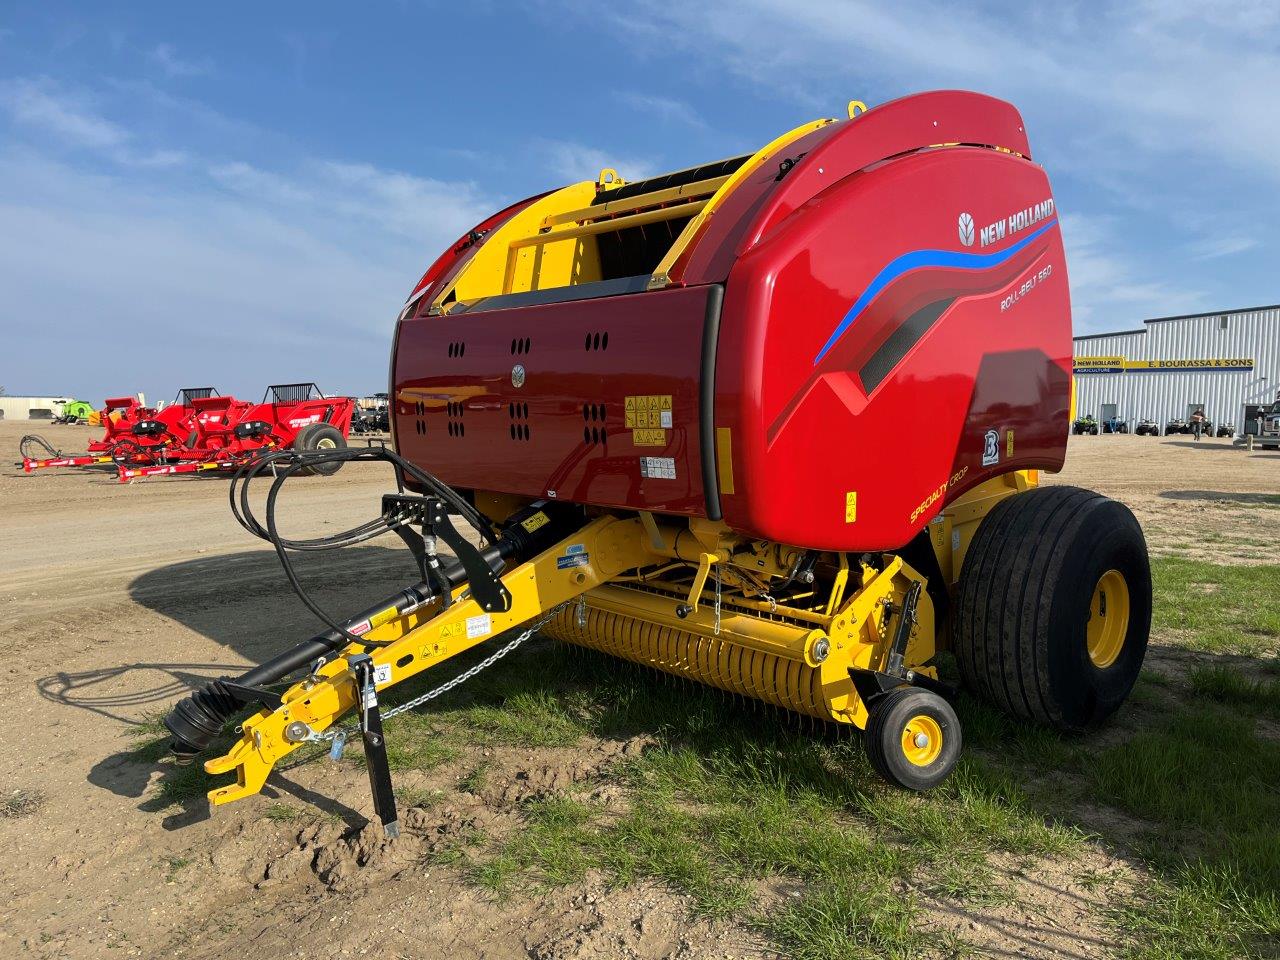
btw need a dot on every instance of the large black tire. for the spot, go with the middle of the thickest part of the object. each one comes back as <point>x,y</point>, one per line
<point>320,437</point>
<point>1043,565</point>
<point>896,721</point>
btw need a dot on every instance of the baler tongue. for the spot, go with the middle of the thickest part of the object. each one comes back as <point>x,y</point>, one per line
<point>454,607</point>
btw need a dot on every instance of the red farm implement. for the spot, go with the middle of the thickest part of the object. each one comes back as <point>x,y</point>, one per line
<point>132,433</point>
<point>294,416</point>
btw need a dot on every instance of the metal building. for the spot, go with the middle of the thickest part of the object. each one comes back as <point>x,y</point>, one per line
<point>31,408</point>
<point>1221,361</point>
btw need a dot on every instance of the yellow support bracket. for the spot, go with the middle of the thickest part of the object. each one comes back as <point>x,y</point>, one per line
<point>705,562</point>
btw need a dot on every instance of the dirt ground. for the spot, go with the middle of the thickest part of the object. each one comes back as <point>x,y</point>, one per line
<point>115,599</point>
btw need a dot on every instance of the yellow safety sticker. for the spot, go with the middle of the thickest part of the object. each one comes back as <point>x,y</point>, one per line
<point>383,616</point>
<point>536,522</point>
<point>648,411</point>
<point>724,459</point>
<point>451,630</point>
<point>851,506</point>
<point>1008,452</point>
<point>649,438</point>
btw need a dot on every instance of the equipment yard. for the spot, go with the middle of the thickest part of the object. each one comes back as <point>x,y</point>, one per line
<point>567,804</point>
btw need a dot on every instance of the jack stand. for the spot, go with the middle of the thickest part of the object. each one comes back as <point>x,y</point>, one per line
<point>375,745</point>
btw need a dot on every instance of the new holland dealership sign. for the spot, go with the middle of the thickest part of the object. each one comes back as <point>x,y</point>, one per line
<point>1123,364</point>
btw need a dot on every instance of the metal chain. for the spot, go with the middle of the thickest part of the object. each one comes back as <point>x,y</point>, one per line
<point>717,623</point>
<point>340,734</point>
<point>472,671</point>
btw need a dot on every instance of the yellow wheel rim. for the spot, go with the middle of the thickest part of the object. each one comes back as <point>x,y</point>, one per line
<point>922,740</point>
<point>326,443</point>
<point>1108,619</point>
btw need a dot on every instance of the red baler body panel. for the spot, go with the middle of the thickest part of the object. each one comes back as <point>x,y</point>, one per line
<point>841,275</point>
<point>563,432</point>
<point>895,329</point>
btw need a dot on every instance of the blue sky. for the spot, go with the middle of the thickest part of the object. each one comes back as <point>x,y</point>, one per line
<point>240,194</point>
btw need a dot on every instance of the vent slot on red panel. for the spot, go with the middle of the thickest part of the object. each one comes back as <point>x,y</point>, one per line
<point>594,431</point>
<point>518,414</point>
<point>454,409</point>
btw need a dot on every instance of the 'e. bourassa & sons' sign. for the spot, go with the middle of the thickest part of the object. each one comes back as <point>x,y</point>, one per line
<point>1212,363</point>
<point>1121,364</point>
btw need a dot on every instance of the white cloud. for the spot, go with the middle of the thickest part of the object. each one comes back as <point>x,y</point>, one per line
<point>1161,112</point>
<point>1108,289</point>
<point>665,109</point>
<point>402,203</point>
<point>227,270</point>
<point>261,186</point>
<point>1214,247</point>
<point>1196,77</point>
<point>165,55</point>
<point>39,104</point>
<point>573,162</point>
<point>70,119</point>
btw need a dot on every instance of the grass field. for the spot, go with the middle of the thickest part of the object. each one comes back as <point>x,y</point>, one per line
<point>784,827</point>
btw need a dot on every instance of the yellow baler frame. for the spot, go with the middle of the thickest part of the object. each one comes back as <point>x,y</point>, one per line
<point>793,657</point>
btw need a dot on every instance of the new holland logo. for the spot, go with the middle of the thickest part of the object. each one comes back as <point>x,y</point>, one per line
<point>965,228</point>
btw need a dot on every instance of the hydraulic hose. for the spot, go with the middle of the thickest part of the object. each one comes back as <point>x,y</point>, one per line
<point>198,719</point>
<point>285,464</point>
<point>34,443</point>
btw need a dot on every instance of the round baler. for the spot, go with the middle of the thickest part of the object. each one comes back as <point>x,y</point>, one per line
<point>774,423</point>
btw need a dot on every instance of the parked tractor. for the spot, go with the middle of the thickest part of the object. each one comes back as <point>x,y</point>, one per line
<point>649,418</point>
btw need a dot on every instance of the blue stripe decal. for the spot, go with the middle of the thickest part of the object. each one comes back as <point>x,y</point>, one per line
<point>914,261</point>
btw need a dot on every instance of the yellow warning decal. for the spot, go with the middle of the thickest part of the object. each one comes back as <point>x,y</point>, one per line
<point>651,411</point>
<point>724,459</point>
<point>649,438</point>
<point>536,522</point>
<point>851,506</point>
<point>451,630</point>
<point>429,651</point>
<point>1008,451</point>
<point>383,616</point>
